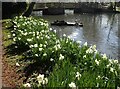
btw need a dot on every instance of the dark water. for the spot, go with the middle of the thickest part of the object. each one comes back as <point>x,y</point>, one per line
<point>99,29</point>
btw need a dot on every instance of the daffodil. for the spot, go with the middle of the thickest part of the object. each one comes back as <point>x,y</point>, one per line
<point>78,75</point>
<point>35,45</point>
<point>84,56</point>
<point>40,78</point>
<point>72,85</point>
<point>51,59</point>
<point>27,85</point>
<point>104,56</point>
<point>44,54</point>
<point>61,57</point>
<point>96,61</point>
<point>79,42</point>
<point>85,44</point>
<point>111,69</point>
<point>64,35</point>
<point>40,49</point>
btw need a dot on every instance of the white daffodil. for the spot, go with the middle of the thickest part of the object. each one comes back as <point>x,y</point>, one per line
<point>85,44</point>
<point>61,57</point>
<point>9,36</point>
<point>33,34</point>
<point>79,42</point>
<point>84,56</point>
<point>64,35</point>
<point>37,37</point>
<point>31,46</point>
<point>67,41</point>
<point>42,23</point>
<point>55,47</point>
<point>18,25</point>
<point>40,49</point>
<point>59,46</point>
<point>30,32</point>
<point>36,55</point>
<point>14,39</point>
<point>27,85</point>
<point>44,54</point>
<point>55,31</point>
<point>25,33</point>
<point>44,45</point>
<point>51,59</point>
<point>34,23</point>
<point>115,61</point>
<point>42,31</point>
<point>45,81</point>
<point>35,45</point>
<point>40,45</point>
<point>99,77</point>
<point>29,40</point>
<point>108,65</point>
<point>46,42</point>
<point>57,41</point>
<point>19,38</point>
<point>72,85</point>
<point>48,37</point>
<point>40,78</point>
<point>46,24</point>
<point>97,85</point>
<point>42,38</point>
<point>111,69</point>
<point>50,29</point>
<point>37,33</point>
<point>78,75</point>
<point>16,46</point>
<point>17,64</point>
<point>111,61</point>
<point>89,50</point>
<point>96,61</point>
<point>104,56</point>
<point>94,47</point>
<point>68,37</point>
<point>13,34</point>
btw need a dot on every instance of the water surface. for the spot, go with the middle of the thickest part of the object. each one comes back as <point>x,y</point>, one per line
<point>99,29</point>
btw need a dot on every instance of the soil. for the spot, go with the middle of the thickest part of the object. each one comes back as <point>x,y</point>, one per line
<point>10,76</point>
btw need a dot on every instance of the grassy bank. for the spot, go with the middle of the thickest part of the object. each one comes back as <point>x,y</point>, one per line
<point>50,61</point>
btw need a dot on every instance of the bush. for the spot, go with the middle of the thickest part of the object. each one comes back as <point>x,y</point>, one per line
<point>69,64</point>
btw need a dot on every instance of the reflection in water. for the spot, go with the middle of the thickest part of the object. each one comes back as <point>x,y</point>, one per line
<point>99,29</point>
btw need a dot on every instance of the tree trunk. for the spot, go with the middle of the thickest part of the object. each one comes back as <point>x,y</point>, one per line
<point>11,9</point>
<point>29,10</point>
<point>115,6</point>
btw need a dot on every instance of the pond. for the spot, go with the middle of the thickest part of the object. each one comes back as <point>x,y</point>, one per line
<point>99,29</point>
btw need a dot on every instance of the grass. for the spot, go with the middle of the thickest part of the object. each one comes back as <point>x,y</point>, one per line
<point>9,57</point>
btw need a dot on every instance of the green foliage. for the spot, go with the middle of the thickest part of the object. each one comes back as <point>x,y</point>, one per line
<point>69,64</point>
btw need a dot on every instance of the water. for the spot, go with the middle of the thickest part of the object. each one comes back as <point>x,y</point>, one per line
<point>99,29</point>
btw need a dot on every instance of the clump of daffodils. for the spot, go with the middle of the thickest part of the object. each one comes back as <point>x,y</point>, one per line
<point>92,49</point>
